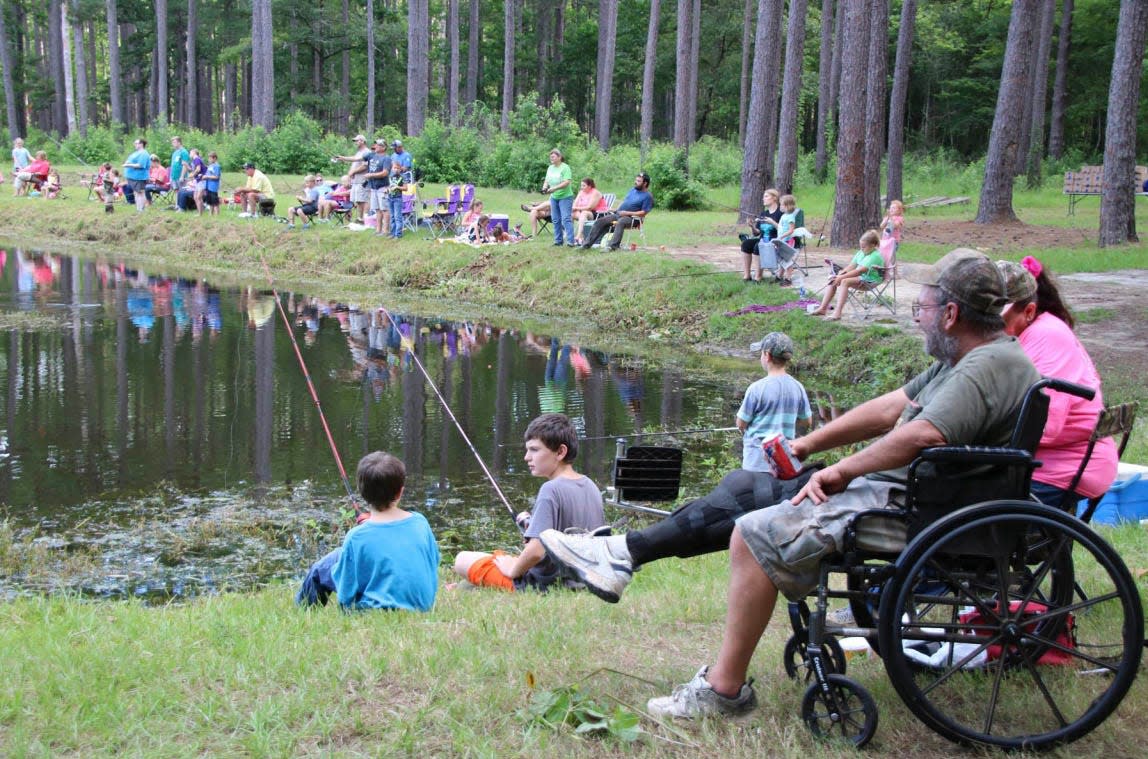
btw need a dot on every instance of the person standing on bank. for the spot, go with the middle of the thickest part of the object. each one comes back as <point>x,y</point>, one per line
<point>136,170</point>
<point>558,186</point>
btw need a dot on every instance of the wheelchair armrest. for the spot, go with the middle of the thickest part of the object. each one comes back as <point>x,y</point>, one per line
<point>971,454</point>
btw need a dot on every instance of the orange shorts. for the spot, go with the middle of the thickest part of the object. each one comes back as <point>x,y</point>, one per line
<point>484,573</point>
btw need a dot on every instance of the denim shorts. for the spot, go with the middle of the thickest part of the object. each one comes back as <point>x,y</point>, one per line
<point>790,541</point>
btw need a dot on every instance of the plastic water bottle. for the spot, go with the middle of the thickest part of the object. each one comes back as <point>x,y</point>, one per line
<point>799,283</point>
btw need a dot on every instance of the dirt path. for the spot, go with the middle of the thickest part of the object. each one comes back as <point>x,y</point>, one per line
<point>1116,315</point>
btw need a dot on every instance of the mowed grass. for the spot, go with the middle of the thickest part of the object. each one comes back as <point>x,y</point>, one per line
<point>251,675</point>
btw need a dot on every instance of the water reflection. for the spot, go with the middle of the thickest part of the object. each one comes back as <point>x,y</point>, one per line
<point>160,413</point>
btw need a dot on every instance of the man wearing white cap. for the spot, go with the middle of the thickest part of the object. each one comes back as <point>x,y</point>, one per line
<point>357,174</point>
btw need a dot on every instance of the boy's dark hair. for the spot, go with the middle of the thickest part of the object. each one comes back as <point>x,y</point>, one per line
<point>380,477</point>
<point>554,430</point>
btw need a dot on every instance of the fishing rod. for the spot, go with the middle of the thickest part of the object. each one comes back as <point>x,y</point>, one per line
<point>458,426</point>
<point>360,512</point>
<point>60,145</point>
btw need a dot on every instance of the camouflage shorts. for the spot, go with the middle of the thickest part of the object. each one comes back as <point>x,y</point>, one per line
<point>791,541</point>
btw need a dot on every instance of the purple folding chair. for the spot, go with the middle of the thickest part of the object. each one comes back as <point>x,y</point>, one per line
<point>443,217</point>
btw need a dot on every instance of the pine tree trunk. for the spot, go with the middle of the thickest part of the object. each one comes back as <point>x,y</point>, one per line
<point>683,86</point>
<point>472,29</point>
<point>507,63</point>
<point>824,81</point>
<point>835,73</point>
<point>161,74</point>
<point>849,206</point>
<point>604,76</point>
<point>544,41</point>
<point>1060,84</point>
<point>262,85</point>
<point>1118,198</point>
<point>191,89</point>
<point>647,127</point>
<point>1040,94</point>
<point>418,64</point>
<point>80,80</point>
<point>875,116</point>
<point>452,74</point>
<point>746,50</point>
<point>15,125</point>
<point>894,189</point>
<point>1004,140</point>
<point>344,117</point>
<point>756,170</point>
<point>115,75</point>
<point>695,57</point>
<point>69,83</point>
<point>55,53</point>
<point>370,69</point>
<point>790,89</point>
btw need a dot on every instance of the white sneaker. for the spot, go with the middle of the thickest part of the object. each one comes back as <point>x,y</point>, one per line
<point>245,215</point>
<point>590,558</point>
<point>697,698</point>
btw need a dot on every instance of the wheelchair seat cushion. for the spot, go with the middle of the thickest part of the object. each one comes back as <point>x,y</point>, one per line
<point>790,541</point>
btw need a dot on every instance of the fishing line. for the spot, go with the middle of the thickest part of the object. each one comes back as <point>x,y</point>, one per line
<point>358,509</point>
<point>670,433</point>
<point>461,431</point>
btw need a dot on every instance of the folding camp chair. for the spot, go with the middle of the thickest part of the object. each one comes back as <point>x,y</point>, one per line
<point>410,218</point>
<point>467,200</point>
<point>441,214</point>
<point>879,295</point>
<point>1113,421</point>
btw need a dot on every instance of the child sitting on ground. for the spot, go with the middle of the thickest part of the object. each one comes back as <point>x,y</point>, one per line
<point>566,500</point>
<point>390,560</point>
<point>469,223</point>
<point>776,404</point>
<point>308,204</point>
<point>863,271</point>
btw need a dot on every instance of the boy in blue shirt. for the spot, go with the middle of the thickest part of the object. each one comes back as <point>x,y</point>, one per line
<point>776,404</point>
<point>211,181</point>
<point>390,560</point>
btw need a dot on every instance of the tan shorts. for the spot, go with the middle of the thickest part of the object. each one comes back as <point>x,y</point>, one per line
<point>359,193</point>
<point>791,541</point>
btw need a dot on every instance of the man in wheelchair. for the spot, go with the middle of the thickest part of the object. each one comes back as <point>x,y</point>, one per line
<point>970,396</point>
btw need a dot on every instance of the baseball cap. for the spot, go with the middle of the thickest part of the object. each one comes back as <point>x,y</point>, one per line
<point>359,138</point>
<point>969,276</point>
<point>1019,282</point>
<point>249,165</point>
<point>776,344</point>
<point>397,144</point>
<point>381,141</point>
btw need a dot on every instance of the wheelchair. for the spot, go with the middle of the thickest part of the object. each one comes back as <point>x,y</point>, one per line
<point>1003,622</point>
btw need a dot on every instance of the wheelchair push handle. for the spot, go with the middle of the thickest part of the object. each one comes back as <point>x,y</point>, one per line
<point>1064,386</point>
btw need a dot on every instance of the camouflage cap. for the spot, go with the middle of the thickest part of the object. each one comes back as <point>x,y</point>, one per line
<point>969,276</point>
<point>777,344</point>
<point>1019,282</point>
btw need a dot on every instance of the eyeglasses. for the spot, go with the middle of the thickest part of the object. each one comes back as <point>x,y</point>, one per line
<point>918,307</point>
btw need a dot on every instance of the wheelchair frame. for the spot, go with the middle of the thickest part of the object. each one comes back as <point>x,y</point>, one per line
<point>981,595</point>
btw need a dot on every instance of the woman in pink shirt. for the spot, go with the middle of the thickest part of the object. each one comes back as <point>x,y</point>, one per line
<point>1038,318</point>
<point>587,205</point>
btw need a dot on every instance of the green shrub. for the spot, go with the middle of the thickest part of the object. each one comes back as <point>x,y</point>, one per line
<point>447,154</point>
<point>101,144</point>
<point>715,162</point>
<point>669,183</point>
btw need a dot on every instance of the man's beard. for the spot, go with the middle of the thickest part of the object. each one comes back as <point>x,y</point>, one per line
<point>939,345</point>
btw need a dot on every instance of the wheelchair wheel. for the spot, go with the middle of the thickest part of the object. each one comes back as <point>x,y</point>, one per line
<point>996,645</point>
<point>797,664</point>
<point>843,710</point>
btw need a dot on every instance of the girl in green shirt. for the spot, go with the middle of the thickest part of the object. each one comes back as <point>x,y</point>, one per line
<point>863,271</point>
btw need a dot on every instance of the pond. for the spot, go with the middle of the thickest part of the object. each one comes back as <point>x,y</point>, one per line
<point>158,438</point>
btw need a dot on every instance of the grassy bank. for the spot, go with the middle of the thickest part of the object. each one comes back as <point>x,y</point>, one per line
<point>250,675</point>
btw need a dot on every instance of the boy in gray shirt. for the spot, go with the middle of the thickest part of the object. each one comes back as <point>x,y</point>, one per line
<point>567,499</point>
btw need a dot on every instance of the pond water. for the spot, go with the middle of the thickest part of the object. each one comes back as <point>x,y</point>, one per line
<point>158,438</point>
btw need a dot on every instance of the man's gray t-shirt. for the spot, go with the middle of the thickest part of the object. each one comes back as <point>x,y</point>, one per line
<point>561,503</point>
<point>975,402</point>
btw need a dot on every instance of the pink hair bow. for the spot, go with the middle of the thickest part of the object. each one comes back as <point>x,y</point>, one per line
<point>1034,267</point>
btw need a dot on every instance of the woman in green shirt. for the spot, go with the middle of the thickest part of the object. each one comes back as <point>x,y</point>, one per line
<point>558,187</point>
